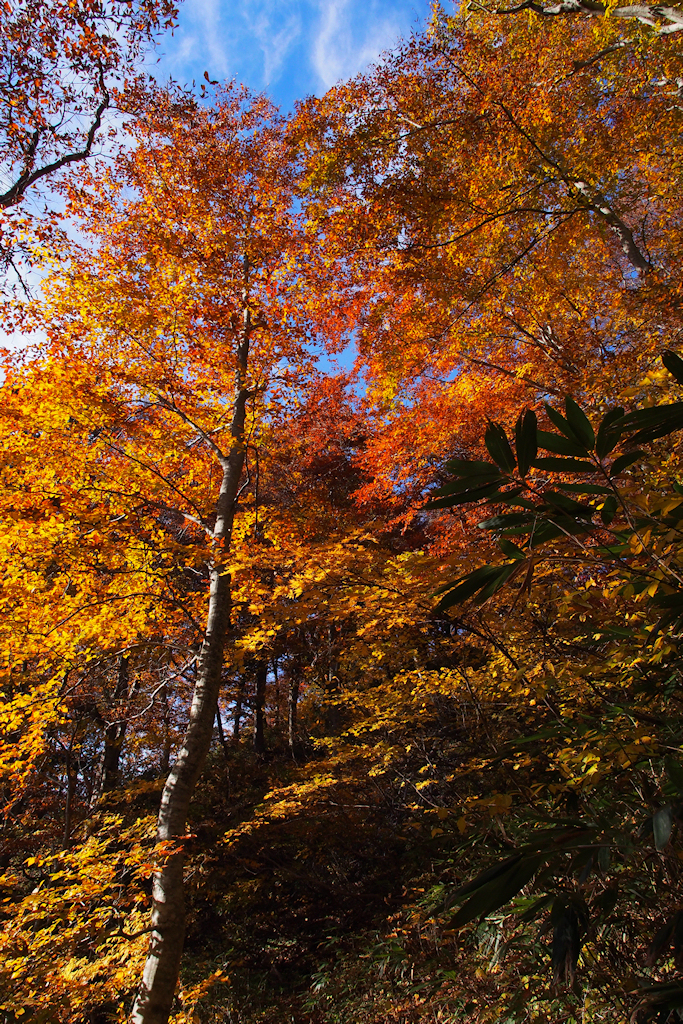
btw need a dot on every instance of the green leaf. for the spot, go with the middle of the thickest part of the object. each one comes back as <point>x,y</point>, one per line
<point>609,510</point>
<point>511,550</point>
<point>651,424</point>
<point>668,994</point>
<point>662,823</point>
<point>562,526</point>
<point>484,582</point>
<point>557,500</point>
<point>585,488</point>
<point>526,440</point>
<point>674,601</point>
<point>475,494</point>
<point>512,498</point>
<point>484,877</point>
<point>562,424</point>
<point>624,461</point>
<point>674,364</point>
<point>532,908</point>
<point>579,423</point>
<point>674,771</point>
<point>495,585</point>
<point>467,586</point>
<point>499,447</point>
<point>505,522</point>
<point>564,465</point>
<point>609,432</point>
<point>558,444</point>
<point>471,467</point>
<point>460,485</point>
<point>499,891</point>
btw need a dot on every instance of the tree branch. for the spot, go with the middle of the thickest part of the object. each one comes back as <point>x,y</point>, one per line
<point>28,177</point>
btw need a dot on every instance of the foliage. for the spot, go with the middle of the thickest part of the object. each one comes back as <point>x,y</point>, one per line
<point>461,805</point>
<point>65,68</point>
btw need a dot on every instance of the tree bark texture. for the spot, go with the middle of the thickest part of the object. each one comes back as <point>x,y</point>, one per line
<point>260,707</point>
<point>113,736</point>
<point>155,995</point>
<point>238,712</point>
<point>292,710</point>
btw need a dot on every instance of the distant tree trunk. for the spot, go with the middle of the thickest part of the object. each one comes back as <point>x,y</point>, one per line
<point>114,734</point>
<point>292,710</point>
<point>239,709</point>
<point>259,710</point>
<point>221,733</point>
<point>276,682</point>
<point>71,779</point>
<point>155,995</point>
<point>165,760</point>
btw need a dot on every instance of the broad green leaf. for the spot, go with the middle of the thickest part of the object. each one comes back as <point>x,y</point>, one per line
<point>609,432</point>
<point>512,498</point>
<point>675,773</point>
<point>475,494</point>
<point>674,601</point>
<point>579,423</point>
<point>499,447</point>
<point>588,488</point>
<point>532,908</point>
<point>469,585</point>
<point>652,424</point>
<point>624,461</point>
<point>511,550</point>
<point>526,440</point>
<point>609,510</point>
<point>550,529</point>
<point>559,444</point>
<point>564,465</point>
<point>667,995</point>
<point>662,823</point>
<point>674,364</point>
<point>484,877</point>
<point>561,423</point>
<point>576,508</point>
<point>459,485</point>
<point>507,521</point>
<point>495,585</point>
<point>499,891</point>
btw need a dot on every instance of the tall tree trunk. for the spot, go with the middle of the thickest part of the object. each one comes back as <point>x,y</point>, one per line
<point>239,710</point>
<point>292,710</point>
<point>260,708</point>
<point>276,684</point>
<point>155,995</point>
<point>221,732</point>
<point>71,779</point>
<point>114,734</point>
<point>165,759</point>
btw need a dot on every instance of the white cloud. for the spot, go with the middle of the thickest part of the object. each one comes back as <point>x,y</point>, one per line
<point>208,14</point>
<point>277,27</point>
<point>342,47</point>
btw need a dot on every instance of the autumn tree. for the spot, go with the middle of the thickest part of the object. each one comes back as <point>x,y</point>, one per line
<point>195,324</point>
<point>199,522</point>
<point>65,69</point>
<point>513,239</point>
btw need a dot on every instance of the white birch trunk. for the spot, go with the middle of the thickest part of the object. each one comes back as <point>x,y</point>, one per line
<point>160,976</point>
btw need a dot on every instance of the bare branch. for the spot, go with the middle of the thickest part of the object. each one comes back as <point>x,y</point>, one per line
<point>15,193</point>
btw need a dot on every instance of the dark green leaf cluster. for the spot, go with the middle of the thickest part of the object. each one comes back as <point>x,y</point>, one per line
<point>562,496</point>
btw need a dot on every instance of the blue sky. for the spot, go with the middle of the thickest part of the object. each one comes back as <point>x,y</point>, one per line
<point>287,48</point>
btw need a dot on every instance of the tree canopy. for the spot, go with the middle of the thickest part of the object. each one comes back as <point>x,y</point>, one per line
<point>345,693</point>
